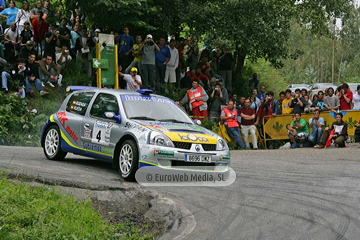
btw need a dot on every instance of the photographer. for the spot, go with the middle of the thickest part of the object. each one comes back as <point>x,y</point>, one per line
<point>298,103</point>
<point>345,97</point>
<point>17,76</point>
<point>316,123</point>
<point>51,40</point>
<point>148,61</point>
<point>63,58</point>
<point>216,100</point>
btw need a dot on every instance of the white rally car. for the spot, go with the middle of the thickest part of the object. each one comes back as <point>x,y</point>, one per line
<point>131,130</point>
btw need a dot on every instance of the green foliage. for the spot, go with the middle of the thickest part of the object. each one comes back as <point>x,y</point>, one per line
<point>28,212</point>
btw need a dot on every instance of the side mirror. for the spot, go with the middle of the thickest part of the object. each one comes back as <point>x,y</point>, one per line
<point>111,115</point>
<point>197,122</point>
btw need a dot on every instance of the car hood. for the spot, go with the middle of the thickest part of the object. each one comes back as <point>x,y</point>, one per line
<point>181,132</point>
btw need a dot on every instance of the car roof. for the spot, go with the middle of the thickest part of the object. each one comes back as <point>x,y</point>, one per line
<point>118,91</point>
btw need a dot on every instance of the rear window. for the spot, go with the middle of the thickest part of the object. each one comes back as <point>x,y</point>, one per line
<point>79,102</point>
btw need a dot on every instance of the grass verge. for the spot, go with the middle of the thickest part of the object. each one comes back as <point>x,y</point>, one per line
<point>28,212</point>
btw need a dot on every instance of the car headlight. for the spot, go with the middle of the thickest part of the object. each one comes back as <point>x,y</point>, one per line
<point>221,145</point>
<point>160,139</point>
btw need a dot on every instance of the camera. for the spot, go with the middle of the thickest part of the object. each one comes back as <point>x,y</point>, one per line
<point>66,50</point>
<point>216,88</point>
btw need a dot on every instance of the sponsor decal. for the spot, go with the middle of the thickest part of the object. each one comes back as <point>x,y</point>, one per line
<point>144,157</point>
<point>192,138</point>
<point>155,127</point>
<point>224,157</point>
<point>135,126</point>
<point>92,147</point>
<point>63,119</point>
<point>102,131</point>
<point>142,138</point>
<point>87,133</point>
<point>140,98</point>
<point>163,153</point>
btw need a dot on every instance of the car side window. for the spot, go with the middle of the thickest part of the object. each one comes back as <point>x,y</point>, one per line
<point>104,103</point>
<point>79,102</point>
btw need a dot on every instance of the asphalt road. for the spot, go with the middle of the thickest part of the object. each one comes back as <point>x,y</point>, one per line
<point>278,194</point>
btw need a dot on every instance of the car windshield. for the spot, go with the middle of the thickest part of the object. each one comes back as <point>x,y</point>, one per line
<point>153,108</point>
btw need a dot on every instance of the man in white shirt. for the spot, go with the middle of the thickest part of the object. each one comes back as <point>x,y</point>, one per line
<point>133,81</point>
<point>356,98</point>
<point>63,58</point>
<point>170,73</point>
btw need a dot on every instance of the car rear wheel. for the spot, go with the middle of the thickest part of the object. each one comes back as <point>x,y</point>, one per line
<point>128,159</point>
<point>52,144</point>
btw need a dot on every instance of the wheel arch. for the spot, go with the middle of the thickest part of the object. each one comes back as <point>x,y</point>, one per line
<point>44,131</point>
<point>115,162</point>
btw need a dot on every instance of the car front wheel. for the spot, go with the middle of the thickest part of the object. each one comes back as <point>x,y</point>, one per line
<point>52,144</point>
<point>128,159</point>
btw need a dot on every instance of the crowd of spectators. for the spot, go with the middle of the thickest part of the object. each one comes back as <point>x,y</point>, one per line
<point>38,44</point>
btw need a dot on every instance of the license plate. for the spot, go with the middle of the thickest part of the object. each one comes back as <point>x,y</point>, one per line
<point>197,158</point>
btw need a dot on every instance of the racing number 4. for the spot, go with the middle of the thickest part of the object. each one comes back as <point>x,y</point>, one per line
<point>98,136</point>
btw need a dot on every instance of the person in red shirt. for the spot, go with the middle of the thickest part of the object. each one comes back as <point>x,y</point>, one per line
<point>247,124</point>
<point>345,97</point>
<point>40,27</point>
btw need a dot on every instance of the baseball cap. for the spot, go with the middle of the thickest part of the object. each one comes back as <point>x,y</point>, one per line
<point>30,43</point>
<point>97,30</point>
<point>134,69</point>
<point>149,36</point>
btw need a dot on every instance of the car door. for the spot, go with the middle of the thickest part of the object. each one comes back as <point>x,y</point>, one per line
<point>97,129</point>
<point>72,118</point>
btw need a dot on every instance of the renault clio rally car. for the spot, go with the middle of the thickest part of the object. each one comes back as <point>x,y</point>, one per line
<point>131,130</point>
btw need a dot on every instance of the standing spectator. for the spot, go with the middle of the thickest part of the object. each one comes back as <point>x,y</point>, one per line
<point>247,124</point>
<point>64,34</point>
<point>27,49</point>
<point>162,57</point>
<point>271,105</point>
<point>51,39</point>
<point>204,80</point>
<point>229,116</point>
<point>133,80</point>
<point>216,100</point>
<point>74,35</point>
<point>13,40</point>
<point>254,81</point>
<point>338,132</point>
<point>214,67</point>
<point>304,92</point>
<point>173,63</point>
<point>298,103</point>
<point>84,45</point>
<point>27,34</point>
<point>286,107</point>
<point>125,43</point>
<point>196,97</point>
<point>47,7</point>
<point>63,58</point>
<point>316,123</point>
<point>319,102</point>
<point>308,103</point>
<point>32,76</point>
<point>298,130</point>
<point>34,12</point>
<point>136,53</point>
<point>281,99</point>
<point>242,102</point>
<point>235,100</point>
<point>185,80</point>
<point>180,46</point>
<point>10,13</point>
<point>22,16</point>
<point>262,94</point>
<point>225,68</point>
<point>345,96</point>
<point>148,61</point>
<point>49,71</point>
<point>205,66</point>
<point>331,101</point>
<point>40,27</point>
<point>192,52</point>
<point>356,98</point>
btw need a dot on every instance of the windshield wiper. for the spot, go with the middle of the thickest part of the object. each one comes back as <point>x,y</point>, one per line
<point>172,120</point>
<point>143,118</point>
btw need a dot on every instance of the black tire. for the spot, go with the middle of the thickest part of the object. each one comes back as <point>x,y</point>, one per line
<point>52,144</point>
<point>128,159</point>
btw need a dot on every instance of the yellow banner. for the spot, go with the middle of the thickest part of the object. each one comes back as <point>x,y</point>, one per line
<point>277,126</point>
